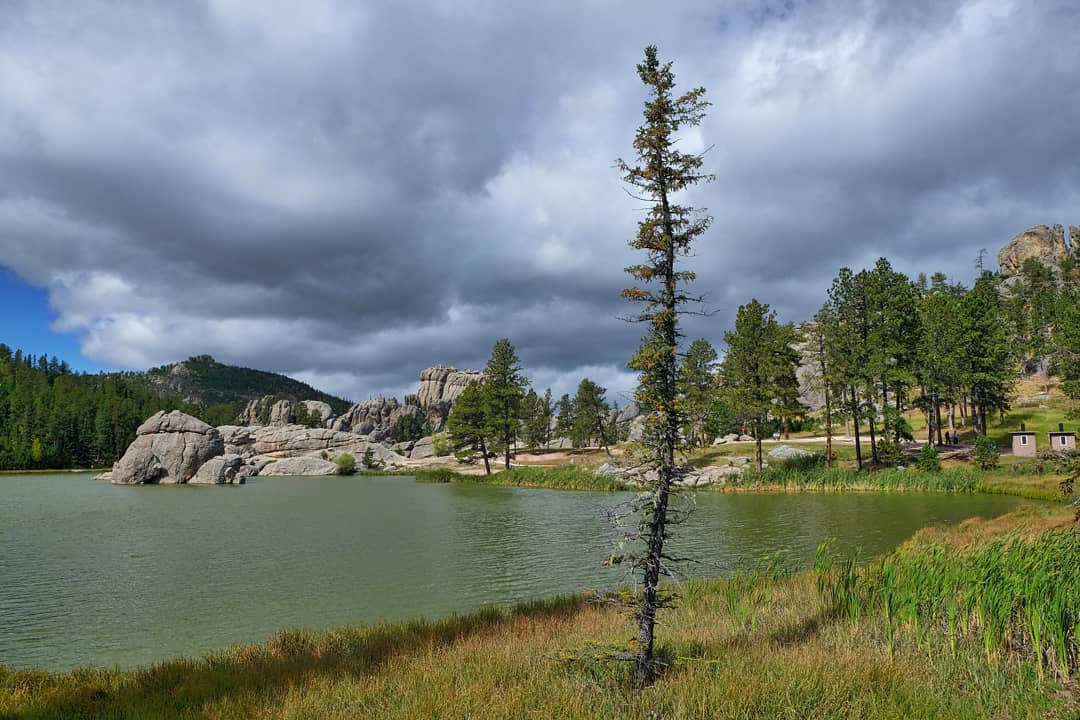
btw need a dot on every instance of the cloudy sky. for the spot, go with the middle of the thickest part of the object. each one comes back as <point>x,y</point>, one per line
<point>348,192</point>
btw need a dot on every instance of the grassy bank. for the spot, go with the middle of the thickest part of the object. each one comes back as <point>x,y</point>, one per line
<point>556,478</point>
<point>944,628</point>
<point>1002,481</point>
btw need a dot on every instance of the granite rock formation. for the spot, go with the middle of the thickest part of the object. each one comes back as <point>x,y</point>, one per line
<point>439,387</point>
<point>1043,243</point>
<point>168,448</point>
<point>300,466</point>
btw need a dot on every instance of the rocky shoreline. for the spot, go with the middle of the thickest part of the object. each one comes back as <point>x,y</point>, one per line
<point>282,436</point>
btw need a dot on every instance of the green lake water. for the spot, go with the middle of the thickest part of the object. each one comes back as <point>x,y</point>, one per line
<point>92,573</point>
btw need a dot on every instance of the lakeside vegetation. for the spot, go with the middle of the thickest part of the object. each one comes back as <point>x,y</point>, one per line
<point>975,620</point>
<point>555,478</point>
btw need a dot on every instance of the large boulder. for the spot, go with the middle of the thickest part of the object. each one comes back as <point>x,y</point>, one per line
<point>786,452</point>
<point>300,466</point>
<point>422,449</point>
<point>1043,243</point>
<point>221,470</point>
<point>319,409</point>
<point>168,448</point>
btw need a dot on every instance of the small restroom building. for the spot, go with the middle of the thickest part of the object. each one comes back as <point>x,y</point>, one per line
<point>1062,441</point>
<point>1023,443</point>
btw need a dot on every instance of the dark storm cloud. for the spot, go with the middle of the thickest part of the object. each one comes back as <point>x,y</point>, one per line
<point>351,193</point>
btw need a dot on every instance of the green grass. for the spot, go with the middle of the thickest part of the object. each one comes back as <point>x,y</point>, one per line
<point>971,621</point>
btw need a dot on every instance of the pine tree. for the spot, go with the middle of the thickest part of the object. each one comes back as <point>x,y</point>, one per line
<point>664,236</point>
<point>564,423</point>
<point>536,420</point>
<point>758,372</point>
<point>940,352</point>
<point>468,424</point>
<point>590,415</point>
<point>503,391</point>
<point>846,344</point>
<point>698,390</point>
<point>990,363</point>
<point>547,413</point>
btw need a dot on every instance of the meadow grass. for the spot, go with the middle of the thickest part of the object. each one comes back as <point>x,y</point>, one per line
<point>946,627</point>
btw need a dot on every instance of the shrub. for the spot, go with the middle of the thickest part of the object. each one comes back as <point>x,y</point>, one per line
<point>440,445</point>
<point>890,454</point>
<point>346,464</point>
<point>805,463</point>
<point>369,460</point>
<point>928,459</point>
<point>985,455</point>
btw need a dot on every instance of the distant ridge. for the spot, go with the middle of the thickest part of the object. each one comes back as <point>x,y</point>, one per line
<point>202,380</point>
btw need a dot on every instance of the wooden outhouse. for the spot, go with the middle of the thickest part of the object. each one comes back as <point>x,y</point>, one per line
<point>1023,443</point>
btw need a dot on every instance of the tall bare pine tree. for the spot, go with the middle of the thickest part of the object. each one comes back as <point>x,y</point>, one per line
<point>664,236</point>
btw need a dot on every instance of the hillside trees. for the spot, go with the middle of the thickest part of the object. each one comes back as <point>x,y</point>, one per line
<point>51,417</point>
<point>659,173</point>
<point>1029,307</point>
<point>1066,338</point>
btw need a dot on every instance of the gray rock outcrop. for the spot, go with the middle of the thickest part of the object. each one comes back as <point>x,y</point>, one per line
<point>639,475</point>
<point>220,470</point>
<point>297,440</point>
<point>168,448</point>
<point>281,413</point>
<point>444,384</point>
<point>375,417</point>
<point>1043,243</point>
<point>303,466</point>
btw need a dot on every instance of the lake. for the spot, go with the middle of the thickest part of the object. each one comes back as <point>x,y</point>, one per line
<point>92,573</point>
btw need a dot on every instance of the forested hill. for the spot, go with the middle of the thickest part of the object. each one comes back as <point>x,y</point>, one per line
<point>203,381</point>
<point>52,417</point>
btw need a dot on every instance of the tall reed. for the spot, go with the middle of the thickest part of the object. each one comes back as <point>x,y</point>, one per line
<point>1018,596</point>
